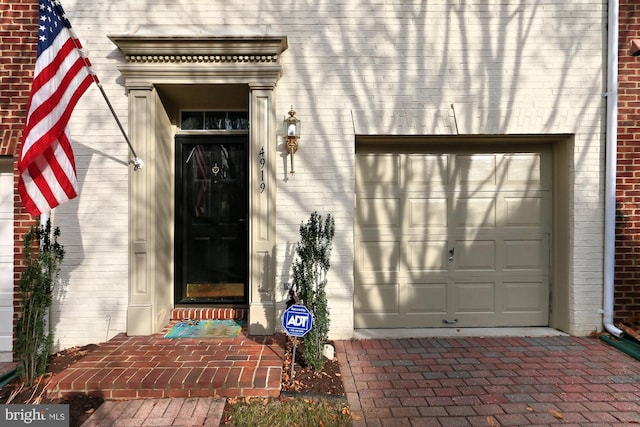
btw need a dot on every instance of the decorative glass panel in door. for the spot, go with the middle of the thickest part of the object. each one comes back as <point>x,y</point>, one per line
<point>211,260</point>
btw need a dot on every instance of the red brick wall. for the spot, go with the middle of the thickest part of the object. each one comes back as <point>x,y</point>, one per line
<point>18,32</point>
<point>627,274</point>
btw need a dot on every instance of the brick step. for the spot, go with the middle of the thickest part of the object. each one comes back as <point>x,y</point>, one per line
<point>136,367</point>
<point>162,382</point>
<point>208,313</point>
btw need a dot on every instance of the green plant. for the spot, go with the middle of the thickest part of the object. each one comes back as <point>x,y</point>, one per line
<point>309,281</point>
<point>43,256</point>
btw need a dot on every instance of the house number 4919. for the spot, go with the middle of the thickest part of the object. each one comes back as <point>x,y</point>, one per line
<point>262,163</point>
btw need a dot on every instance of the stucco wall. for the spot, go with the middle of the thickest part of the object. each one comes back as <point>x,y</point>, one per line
<point>532,67</point>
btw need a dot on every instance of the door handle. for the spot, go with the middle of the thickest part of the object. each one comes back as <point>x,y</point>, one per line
<point>452,253</point>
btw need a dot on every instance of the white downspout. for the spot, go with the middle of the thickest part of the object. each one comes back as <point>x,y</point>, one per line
<point>610,170</point>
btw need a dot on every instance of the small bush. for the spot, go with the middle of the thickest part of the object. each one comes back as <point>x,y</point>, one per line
<point>43,256</point>
<point>309,281</point>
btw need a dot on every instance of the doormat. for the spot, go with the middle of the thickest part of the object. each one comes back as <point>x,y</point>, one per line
<point>205,329</point>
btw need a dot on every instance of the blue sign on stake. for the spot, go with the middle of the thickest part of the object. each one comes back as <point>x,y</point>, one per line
<point>297,320</point>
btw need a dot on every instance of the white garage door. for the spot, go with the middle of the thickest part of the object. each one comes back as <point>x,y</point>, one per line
<point>452,237</point>
<point>6,261</point>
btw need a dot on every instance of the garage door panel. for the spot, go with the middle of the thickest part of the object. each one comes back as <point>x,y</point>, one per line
<point>427,255</point>
<point>475,170</point>
<point>428,213</point>
<point>474,297</point>
<point>427,298</point>
<point>523,169</point>
<point>378,170</point>
<point>524,297</point>
<point>379,212</point>
<point>475,212</point>
<point>379,256</point>
<point>377,298</point>
<point>431,170</point>
<point>524,211</point>
<point>526,254</point>
<point>475,255</point>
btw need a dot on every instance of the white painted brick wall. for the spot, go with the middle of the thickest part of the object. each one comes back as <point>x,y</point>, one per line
<point>518,67</point>
<point>6,259</point>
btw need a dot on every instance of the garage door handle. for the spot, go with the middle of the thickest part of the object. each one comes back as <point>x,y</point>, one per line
<point>451,254</point>
<point>449,322</point>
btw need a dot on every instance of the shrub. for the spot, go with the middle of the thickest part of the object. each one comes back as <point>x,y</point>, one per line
<point>309,281</point>
<point>43,256</point>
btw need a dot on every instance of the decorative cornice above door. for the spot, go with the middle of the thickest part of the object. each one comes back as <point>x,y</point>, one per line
<point>173,58</point>
<point>148,48</point>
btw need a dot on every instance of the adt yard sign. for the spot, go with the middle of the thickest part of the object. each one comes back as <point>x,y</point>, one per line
<point>297,320</point>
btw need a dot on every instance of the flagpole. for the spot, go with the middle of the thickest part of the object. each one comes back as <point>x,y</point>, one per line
<point>137,161</point>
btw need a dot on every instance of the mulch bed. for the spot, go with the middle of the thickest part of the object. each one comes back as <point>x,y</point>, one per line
<point>81,406</point>
<point>305,380</point>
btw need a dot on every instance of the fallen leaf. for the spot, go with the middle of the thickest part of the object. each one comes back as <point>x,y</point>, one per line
<point>491,422</point>
<point>355,416</point>
<point>90,411</point>
<point>556,414</point>
<point>265,401</point>
<point>320,423</point>
<point>529,409</point>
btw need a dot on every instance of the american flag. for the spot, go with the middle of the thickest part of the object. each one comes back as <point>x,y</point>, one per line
<point>62,74</point>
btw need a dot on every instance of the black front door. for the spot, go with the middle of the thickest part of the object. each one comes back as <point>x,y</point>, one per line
<point>211,256</point>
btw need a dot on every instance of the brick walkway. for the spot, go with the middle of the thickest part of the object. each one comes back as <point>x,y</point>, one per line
<point>201,411</point>
<point>499,381</point>
<point>490,381</point>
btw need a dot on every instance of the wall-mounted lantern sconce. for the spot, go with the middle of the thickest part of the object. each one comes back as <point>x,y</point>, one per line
<point>291,130</point>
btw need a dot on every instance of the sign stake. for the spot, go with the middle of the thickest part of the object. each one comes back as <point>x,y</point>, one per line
<point>297,320</point>
<point>293,358</point>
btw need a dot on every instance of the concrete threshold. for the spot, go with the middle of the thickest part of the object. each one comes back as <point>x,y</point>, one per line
<point>360,334</point>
